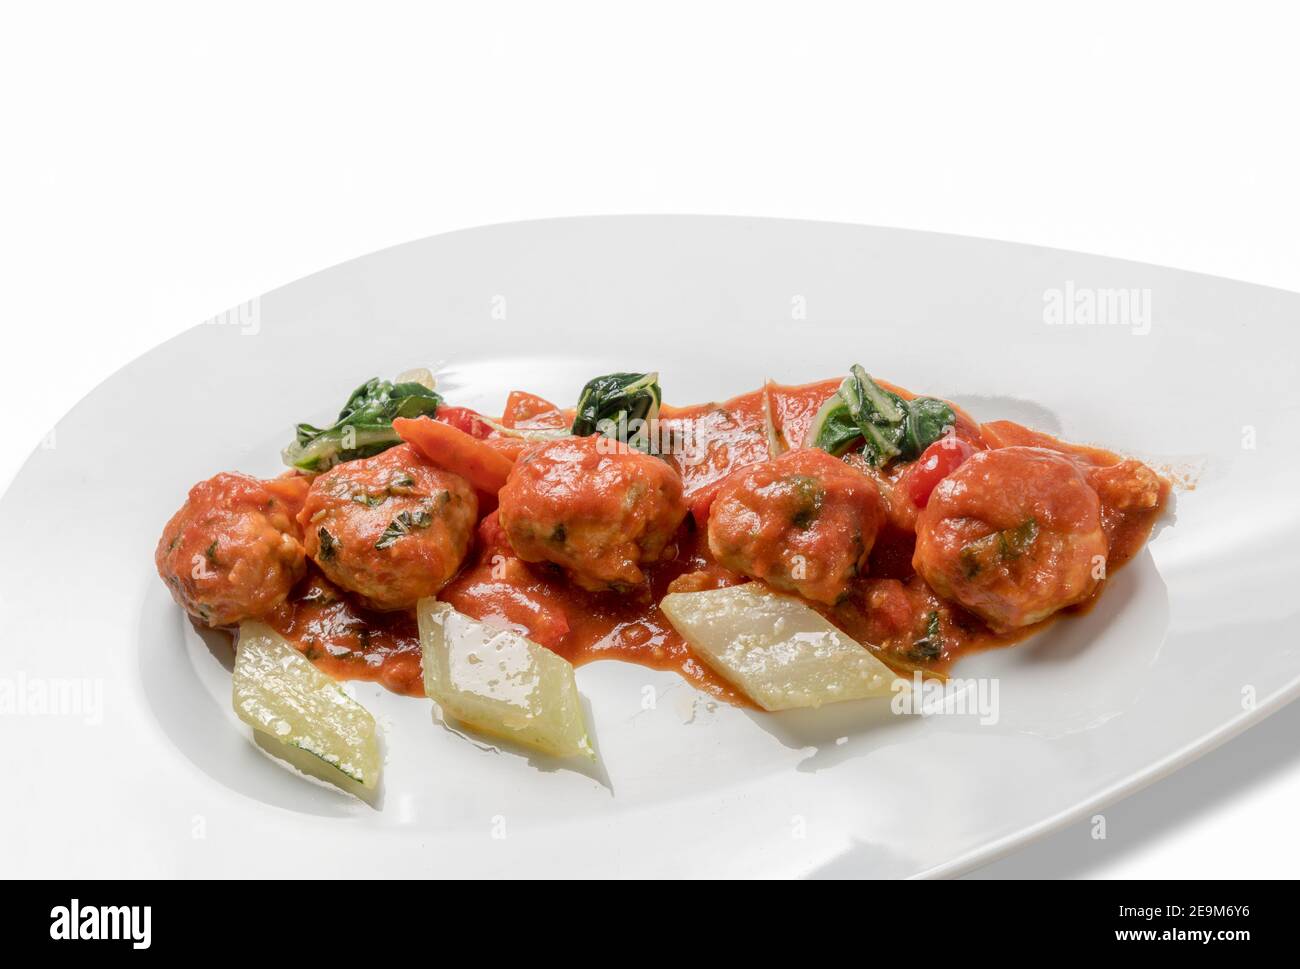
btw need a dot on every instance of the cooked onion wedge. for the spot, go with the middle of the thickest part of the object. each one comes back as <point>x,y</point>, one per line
<point>777,650</point>
<point>499,683</point>
<point>280,694</point>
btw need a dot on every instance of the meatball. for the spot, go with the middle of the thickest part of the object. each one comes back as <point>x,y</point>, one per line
<point>1013,535</point>
<point>594,506</point>
<point>391,528</point>
<point>803,522</point>
<point>233,550</point>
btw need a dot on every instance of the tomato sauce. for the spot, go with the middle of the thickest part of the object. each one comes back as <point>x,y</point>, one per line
<point>348,641</point>
<point>793,408</point>
<point>889,610</point>
<point>707,442</point>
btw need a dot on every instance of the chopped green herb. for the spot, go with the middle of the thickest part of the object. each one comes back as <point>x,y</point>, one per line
<point>1015,542</point>
<point>929,646</point>
<point>329,545</point>
<point>403,524</point>
<point>808,495</point>
<point>1004,546</point>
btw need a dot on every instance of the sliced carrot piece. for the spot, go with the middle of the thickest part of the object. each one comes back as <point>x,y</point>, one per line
<point>450,448</point>
<point>511,447</point>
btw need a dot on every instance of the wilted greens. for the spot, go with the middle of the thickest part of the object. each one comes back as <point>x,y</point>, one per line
<point>619,406</point>
<point>887,426</point>
<point>364,426</point>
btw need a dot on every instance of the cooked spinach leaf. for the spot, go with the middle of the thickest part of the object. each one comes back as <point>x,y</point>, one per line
<point>888,426</point>
<point>833,428</point>
<point>928,419</point>
<point>619,406</point>
<point>364,426</point>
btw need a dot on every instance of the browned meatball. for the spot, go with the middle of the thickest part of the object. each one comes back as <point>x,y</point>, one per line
<point>392,528</point>
<point>594,506</point>
<point>804,522</point>
<point>1014,534</point>
<point>233,552</point>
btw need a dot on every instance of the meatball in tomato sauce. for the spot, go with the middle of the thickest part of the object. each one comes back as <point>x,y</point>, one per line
<point>1014,534</point>
<point>595,507</point>
<point>803,522</point>
<point>233,550</point>
<point>391,528</point>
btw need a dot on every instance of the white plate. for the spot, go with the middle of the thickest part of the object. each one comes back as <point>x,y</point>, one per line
<point>166,782</point>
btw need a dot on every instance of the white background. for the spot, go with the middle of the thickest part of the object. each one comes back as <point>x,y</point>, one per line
<point>161,163</point>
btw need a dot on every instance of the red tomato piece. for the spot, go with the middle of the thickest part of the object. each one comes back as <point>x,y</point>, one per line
<point>522,407</point>
<point>939,460</point>
<point>464,419</point>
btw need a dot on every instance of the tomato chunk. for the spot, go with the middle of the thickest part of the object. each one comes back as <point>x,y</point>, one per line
<point>939,460</point>
<point>464,419</point>
<point>523,407</point>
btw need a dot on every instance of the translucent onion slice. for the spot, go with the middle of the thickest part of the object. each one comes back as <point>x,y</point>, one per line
<point>780,652</point>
